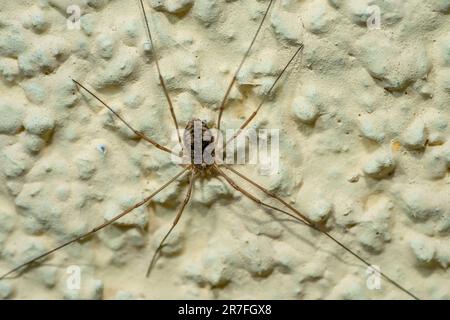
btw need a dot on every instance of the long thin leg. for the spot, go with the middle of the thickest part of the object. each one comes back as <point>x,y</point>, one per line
<point>233,80</point>
<point>249,119</point>
<point>103,225</point>
<point>269,193</point>
<point>139,134</point>
<point>258,201</point>
<point>161,79</point>
<point>177,218</point>
<point>255,199</point>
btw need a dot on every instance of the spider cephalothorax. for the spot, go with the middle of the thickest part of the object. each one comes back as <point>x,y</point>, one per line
<point>198,144</point>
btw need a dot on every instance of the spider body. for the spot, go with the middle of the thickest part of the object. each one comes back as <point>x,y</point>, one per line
<point>199,145</point>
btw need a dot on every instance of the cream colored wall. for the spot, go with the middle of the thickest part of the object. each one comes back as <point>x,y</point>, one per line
<point>364,117</point>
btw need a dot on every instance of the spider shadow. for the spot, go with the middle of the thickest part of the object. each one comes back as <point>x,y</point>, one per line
<point>284,223</point>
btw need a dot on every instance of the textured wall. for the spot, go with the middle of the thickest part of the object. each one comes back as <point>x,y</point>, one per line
<point>364,119</point>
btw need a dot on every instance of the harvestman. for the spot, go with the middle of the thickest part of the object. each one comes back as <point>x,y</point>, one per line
<point>194,170</point>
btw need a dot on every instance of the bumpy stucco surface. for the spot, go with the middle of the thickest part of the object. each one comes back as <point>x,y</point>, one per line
<point>364,119</point>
